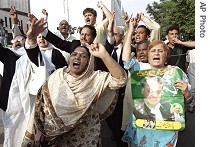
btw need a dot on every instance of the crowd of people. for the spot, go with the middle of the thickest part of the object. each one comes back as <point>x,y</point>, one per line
<point>56,88</point>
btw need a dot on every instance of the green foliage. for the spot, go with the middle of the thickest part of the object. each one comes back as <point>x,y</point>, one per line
<point>174,12</point>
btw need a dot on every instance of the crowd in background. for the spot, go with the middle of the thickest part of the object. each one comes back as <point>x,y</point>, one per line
<point>56,88</point>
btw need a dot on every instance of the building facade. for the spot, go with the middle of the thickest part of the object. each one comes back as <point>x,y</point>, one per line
<point>22,7</point>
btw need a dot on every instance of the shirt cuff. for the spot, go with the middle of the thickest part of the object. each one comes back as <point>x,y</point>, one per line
<point>45,32</point>
<point>28,46</point>
<point>14,26</point>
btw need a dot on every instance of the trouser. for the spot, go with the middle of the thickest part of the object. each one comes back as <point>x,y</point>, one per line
<point>114,122</point>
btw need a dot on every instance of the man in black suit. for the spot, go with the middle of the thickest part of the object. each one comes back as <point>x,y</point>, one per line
<point>114,121</point>
<point>87,35</point>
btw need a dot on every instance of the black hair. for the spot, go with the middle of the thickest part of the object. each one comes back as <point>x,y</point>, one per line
<point>174,27</point>
<point>141,42</point>
<point>90,10</point>
<point>82,47</point>
<point>92,28</point>
<point>147,29</point>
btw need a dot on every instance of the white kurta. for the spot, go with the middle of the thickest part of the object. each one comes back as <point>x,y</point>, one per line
<point>20,103</point>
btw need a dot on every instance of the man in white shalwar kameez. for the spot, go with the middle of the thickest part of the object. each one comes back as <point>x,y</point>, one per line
<point>20,102</point>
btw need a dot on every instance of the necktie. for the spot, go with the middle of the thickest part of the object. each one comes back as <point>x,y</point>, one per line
<point>114,54</point>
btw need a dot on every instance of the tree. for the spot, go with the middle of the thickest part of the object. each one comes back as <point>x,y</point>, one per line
<point>174,12</point>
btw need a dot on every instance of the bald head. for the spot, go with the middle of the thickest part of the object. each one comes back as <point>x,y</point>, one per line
<point>64,28</point>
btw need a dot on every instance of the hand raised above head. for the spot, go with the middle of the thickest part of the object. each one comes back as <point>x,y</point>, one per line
<point>13,15</point>
<point>12,11</point>
<point>141,15</point>
<point>126,17</point>
<point>96,49</point>
<point>31,17</point>
<point>44,11</point>
<point>99,4</point>
<point>133,23</point>
<point>36,27</point>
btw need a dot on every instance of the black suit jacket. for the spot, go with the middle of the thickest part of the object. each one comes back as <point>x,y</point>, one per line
<point>57,58</point>
<point>62,44</point>
<point>8,58</point>
<point>110,49</point>
<point>70,46</point>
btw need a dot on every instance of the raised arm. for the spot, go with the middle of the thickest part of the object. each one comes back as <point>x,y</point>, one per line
<point>44,11</point>
<point>152,25</point>
<point>32,49</point>
<point>109,45</point>
<point>36,27</point>
<point>126,55</point>
<point>15,26</point>
<point>52,38</point>
<point>126,19</point>
<point>98,50</point>
<point>110,28</point>
<point>106,12</point>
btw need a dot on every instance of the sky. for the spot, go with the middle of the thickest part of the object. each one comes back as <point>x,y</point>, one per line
<point>56,14</point>
<point>136,6</point>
